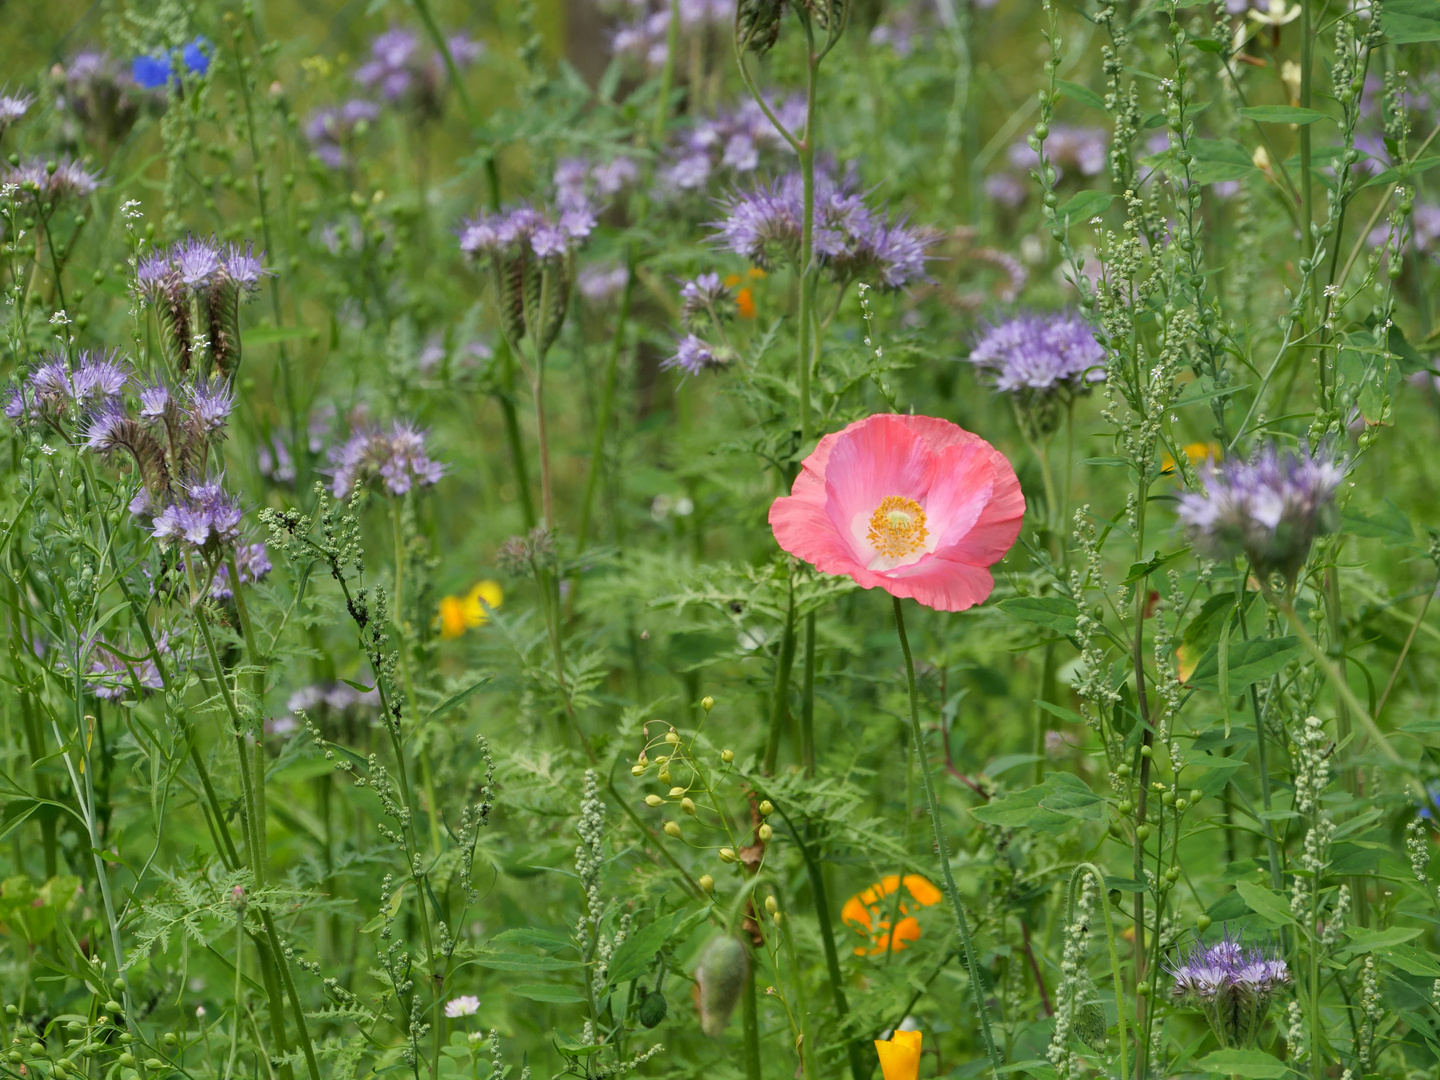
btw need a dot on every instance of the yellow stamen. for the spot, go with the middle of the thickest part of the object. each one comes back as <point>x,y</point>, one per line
<point>897,528</point>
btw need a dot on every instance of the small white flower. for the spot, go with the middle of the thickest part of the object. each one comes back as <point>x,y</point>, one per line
<point>47,450</point>
<point>60,318</point>
<point>465,1005</point>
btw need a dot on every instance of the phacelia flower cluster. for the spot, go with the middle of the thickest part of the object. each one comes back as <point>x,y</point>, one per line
<point>13,108</point>
<point>334,130</point>
<point>581,184</point>
<point>199,282</point>
<point>1040,354</point>
<point>113,675</point>
<point>531,253</point>
<point>404,75</point>
<point>398,456</point>
<point>1269,508</point>
<point>706,304</point>
<point>56,388</point>
<point>733,143</point>
<point>1232,985</point>
<point>54,181</point>
<point>851,241</point>
<point>99,98</point>
<point>645,38</point>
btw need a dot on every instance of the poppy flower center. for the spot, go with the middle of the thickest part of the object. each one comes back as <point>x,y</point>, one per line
<point>897,527</point>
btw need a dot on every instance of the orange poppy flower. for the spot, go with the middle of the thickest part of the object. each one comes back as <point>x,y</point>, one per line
<point>868,913</point>
<point>900,1055</point>
<point>745,303</point>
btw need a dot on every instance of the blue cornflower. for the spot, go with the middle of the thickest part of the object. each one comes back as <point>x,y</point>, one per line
<point>154,71</point>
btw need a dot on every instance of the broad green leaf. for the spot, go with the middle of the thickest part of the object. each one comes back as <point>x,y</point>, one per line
<point>1252,1064</point>
<point>524,962</point>
<point>526,935</point>
<point>1409,22</point>
<point>1268,904</point>
<point>1370,940</point>
<point>1083,94</point>
<point>1410,960</point>
<point>1084,205</point>
<point>1144,569</point>
<point>1249,662</point>
<point>1056,613</point>
<point>549,992</point>
<point>1283,114</point>
<point>635,954</point>
<point>1030,809</point>
<point>1389,525</point>
<point>1073,798</point>
<point>1218,159</point>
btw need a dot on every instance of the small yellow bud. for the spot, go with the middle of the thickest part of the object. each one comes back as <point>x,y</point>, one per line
<point>727,756</point>
<point>778,918</point>
<point>672,738</point>
<point>637,770</point>
<point>654,800</point>
<point>661,760</point>
<point>707,703</point>
<point>766,807</point>
<point>688,805</point>
<point>707,883</point>
<point>765,832</point>
<point>726,854</point>
<point>663,776</point>
<point>772,905</point>
<point>672,828</point>
<point>676,792</point>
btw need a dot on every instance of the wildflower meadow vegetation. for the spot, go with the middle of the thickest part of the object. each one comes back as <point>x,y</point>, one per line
<point>728,539</point>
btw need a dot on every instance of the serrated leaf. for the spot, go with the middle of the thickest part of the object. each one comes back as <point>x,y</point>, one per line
<point>1249,662</point>
<point>1390,525</point>
<point>1283,114</point>
<point>1056,613</point>
<point>1251,1064</point>
<point>1069,796</point>
<point>1268,904</point>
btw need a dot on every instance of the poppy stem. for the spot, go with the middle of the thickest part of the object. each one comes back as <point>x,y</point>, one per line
<point>972,967</point>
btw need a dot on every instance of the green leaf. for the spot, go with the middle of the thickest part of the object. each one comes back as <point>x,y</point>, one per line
<point>1073,798</point>
<point>1369,940</point>
<point>1409,22</point>
<point>455,701</point>
<point>1268,904</point>
<point>1049,807</point>
<point>1218,159</point>
<point>1218,771</point>
<point>1389,525</point>
<point>1085,96</point>
<point>1056,613</point>
<point>635,954</point>
<point>1285,114</point>
<point>1084,205</point>
<point>548,992</point>
<point>1144,569</point>
<point>1249,662</point>
<point>1252,1064</point>
<point>526,935</point>
<point>524,962</point>
<point>1410,960</point>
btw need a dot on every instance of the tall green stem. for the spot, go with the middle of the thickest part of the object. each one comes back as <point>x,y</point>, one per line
<point>607,404</point>
<point>1115,973</point>
<point>972,967</point>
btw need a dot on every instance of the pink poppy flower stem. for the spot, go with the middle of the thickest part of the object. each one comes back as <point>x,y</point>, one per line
<point>917,738</point>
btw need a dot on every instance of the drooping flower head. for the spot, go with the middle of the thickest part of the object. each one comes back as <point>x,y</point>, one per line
<point>398,456</point>
<point>531,253</point>
<point>1269,508</point>
<point>851,242</point>
<point>1232,985</point>
<point>912,504</point>
<point>1037,355</point>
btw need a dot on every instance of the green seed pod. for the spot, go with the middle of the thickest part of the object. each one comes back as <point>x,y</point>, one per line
<point>653,1008</point>
<point>724,963</point>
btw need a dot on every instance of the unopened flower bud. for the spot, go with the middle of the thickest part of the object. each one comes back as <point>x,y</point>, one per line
<point>766,808</point>
<point>765,832</point>
<point>676,792</point>
<point>719,978</point>
<point>663,776</point>
<point>726,854</point>
<point>672,828</point>
<point>672,738</point>
<point>707,703</point>
<point>688,805</point>
<point>772,905</point>
<point>727,756</point>
<point>654,800</point>
<point>637,770</point>
<point>707,883</point>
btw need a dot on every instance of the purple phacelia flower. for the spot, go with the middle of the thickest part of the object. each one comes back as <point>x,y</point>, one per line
<point>692,356</point>
<point>1232,985</point>
<point>197,261</point>
<point>1269,509</point>
<point>333,131</point>
<point>399,72</point>
<point>600,283</point>
<point>253,563</point>
<point>399,456</point>
<point>204,516</point>
<point>1040,354</point>
<point>850,241</point>
<point>13,108</point>
<point>705,295</point>
<point>1082,148</point>
<point>53,181</point>
<point>96,379</point>
<point>209,405</point>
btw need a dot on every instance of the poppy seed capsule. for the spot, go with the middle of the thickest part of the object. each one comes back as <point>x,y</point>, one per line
<point>719,978</point>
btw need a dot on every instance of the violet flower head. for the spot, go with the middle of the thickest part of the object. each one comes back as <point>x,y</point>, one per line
<point>1269,509</point>
<point>851,241</point>
<point>733,142</point>
<point>97,379</point>
<point>600,283</point>
<point>197,261</point>
<point>204,517</point>
<point>13,108</point>
<point>1040,354</point>
<point>580,184</point>
<point>112,676</point>
<point>693,356</point>
<point>399,456</point>
<point>703,296</point>
<point>253,563</point>
<point>53,181</point>
<point>1082,148</point>
<point>334,130</point>
<point>405,77</point>
<point>209,405</point>
<point>531,255</point>
<point>1232,985</point>
<point>99,96</point>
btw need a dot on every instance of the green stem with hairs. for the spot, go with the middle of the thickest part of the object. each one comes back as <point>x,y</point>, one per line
<point>972,966</point>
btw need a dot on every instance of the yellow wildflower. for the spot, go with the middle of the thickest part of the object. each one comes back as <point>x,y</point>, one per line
<point>900,1055</point>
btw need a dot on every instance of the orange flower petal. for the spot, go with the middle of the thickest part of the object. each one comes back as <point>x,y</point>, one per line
<point>855,913</point>
<point>452,617</point>
<point>907,930</point>
<point>922,890</point>
<point>900,1056</point>
<point>745,303</point>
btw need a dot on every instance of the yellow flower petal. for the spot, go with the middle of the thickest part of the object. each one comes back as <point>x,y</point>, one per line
<point>481,600</point>
<point>900,1057</point>
<point>452,617</point>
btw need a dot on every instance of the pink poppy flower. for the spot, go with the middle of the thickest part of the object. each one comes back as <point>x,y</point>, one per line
<point>918,506</point>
